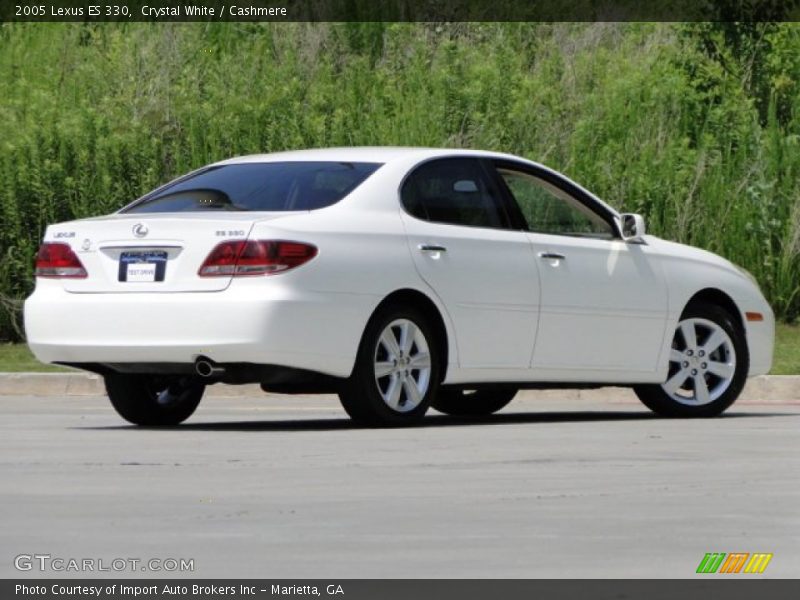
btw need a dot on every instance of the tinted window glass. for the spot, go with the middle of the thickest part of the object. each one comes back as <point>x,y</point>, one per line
<point>453,190</point>
<point>548,209</point>
<point>282,186</point>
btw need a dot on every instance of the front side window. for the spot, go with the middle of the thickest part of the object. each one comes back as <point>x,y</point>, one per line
<point>548,209</point>
<point>454,191</point>
<point>276,186</point>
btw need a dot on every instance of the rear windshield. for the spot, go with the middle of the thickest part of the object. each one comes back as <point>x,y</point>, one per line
<point>277,186</point>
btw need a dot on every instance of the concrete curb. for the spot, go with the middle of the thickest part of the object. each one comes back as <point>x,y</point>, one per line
<point>765,389</point>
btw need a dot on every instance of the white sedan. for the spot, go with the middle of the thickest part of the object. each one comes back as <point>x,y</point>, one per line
<point>399,278</point>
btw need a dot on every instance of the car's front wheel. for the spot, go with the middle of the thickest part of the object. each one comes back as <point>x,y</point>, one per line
<point>397,370</point>
<point>153,400</point>
<point>472,403</point>
<point>708,366</point>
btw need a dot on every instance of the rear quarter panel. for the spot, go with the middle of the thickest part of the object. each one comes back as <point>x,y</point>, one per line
<point>363,257</point>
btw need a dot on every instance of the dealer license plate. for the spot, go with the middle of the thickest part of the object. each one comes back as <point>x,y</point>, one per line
<point>142,267</point>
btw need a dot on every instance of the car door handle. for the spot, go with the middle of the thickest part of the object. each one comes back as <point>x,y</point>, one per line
<point>432,248</point>
<point>552,255</point>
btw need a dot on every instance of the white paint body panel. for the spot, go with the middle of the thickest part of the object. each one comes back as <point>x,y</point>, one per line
<point>489,283</point>
<point>604,306</point>
<point>605,314</point>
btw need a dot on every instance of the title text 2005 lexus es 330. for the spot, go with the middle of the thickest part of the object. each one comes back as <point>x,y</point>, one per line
<point>399,278</point>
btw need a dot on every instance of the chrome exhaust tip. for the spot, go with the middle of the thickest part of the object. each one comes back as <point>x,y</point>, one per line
<point>207,368</point>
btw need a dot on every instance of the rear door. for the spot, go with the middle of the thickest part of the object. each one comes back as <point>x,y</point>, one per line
<point>603,301</point>
<point>460,238</point>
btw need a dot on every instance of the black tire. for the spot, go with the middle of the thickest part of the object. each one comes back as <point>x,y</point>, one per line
<point>661,403</point>
<point>361,395</point>
<point>153,400</point>
<point>472,403</point>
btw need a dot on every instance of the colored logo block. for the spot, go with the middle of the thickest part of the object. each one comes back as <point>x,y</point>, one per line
<point>735,562</point>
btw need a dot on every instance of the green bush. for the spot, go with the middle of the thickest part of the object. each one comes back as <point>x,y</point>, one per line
<point>694,125</point>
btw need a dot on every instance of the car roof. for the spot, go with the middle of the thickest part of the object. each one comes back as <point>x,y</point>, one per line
<point>381,154</point>
<point>388,154</point>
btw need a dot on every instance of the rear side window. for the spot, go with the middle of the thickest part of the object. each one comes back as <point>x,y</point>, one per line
<point>277,186</point>
<point>455,191</point>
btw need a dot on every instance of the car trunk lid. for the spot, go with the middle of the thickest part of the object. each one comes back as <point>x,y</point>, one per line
<point>128,253</point>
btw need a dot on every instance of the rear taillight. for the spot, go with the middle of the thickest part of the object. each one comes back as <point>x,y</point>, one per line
<point>262,257</point>
<point>56,259</point>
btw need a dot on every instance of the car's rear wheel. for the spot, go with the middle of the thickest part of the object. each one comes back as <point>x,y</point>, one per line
<point>153,400</point>
<point>397,370</point>
<point>708,366</point>
<point>472,403</point>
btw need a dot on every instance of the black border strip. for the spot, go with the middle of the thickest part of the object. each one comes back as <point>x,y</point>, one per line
<point>701,588</point>
<point>399,10</point>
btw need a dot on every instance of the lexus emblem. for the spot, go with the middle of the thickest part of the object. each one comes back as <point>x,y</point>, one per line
<point>140,230</point>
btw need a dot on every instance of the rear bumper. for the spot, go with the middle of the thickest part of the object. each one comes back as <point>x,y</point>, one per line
<point>250,322</point>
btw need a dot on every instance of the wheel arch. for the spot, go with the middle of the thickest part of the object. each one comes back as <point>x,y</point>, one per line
<point>719,298</point>
<point>422,302</point>
<point>658,399</point>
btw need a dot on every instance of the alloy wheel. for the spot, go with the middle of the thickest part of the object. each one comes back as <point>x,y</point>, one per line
<point>402,365</point>
<point>702,363</point>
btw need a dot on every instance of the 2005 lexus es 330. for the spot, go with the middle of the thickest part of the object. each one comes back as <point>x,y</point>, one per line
<point>399,278</point>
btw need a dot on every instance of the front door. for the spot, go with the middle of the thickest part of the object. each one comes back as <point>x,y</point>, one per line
<point>603,301</point>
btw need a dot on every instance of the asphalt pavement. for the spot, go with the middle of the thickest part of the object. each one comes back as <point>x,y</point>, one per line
<point>286,487</point>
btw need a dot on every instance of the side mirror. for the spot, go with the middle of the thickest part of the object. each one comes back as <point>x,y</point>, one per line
<point>632,227</point>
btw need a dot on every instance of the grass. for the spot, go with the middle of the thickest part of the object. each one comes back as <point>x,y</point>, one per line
<point>694,125</point>
<point>17,358</point>
<point>787,350</point>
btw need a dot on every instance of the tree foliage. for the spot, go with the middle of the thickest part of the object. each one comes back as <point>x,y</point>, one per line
<point>694,125</point>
